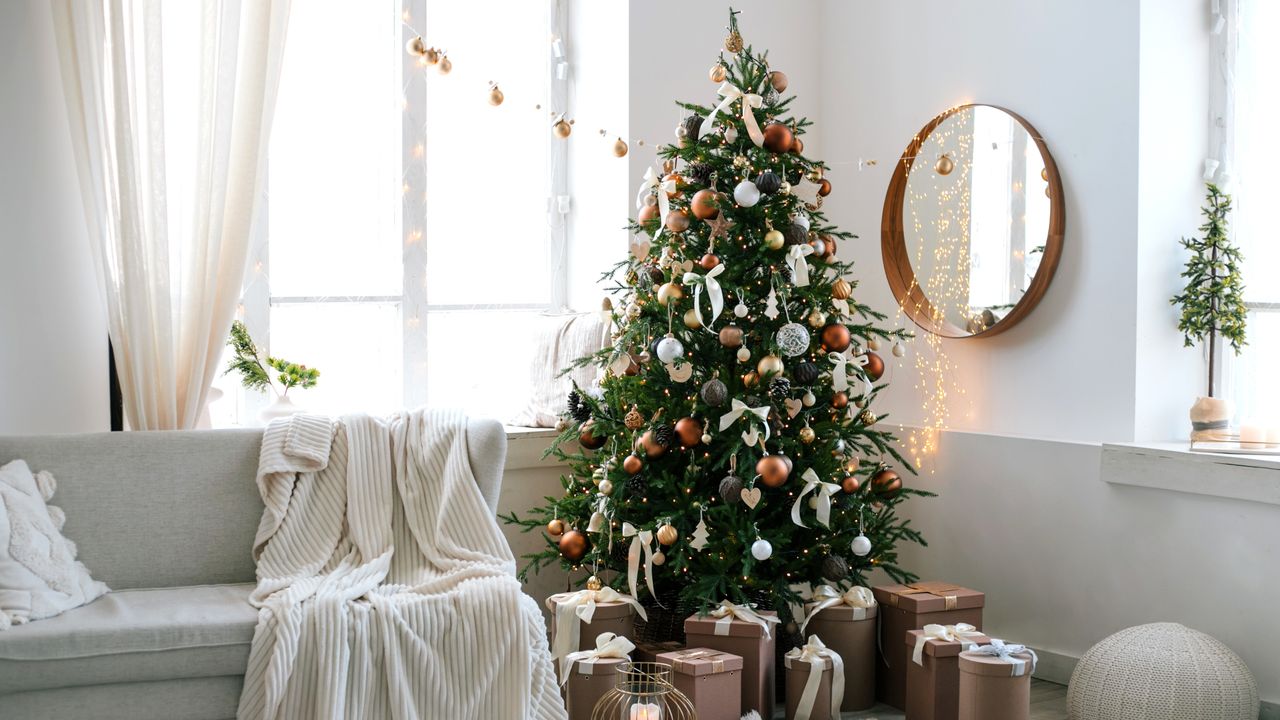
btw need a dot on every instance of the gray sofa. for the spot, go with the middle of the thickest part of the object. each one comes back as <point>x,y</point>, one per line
<point>167,520</point>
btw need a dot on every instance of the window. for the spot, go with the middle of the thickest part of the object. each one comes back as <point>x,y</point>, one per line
<point>1255,184</point>
<point>402,256</point>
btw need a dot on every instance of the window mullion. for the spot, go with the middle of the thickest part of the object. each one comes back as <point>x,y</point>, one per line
<point>413,219</point>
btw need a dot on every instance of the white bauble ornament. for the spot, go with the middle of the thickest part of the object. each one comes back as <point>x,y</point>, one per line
<point>669,348</point>
<point>802,220</point>
<point>659,558</point>
<point>740,310</point>
<point>861,545</point>
<point>743,354</point>
<point>634,310</point>
<point>899,349</point>
<point>761,549</point>
<point>793,339</point>
<point>606,487</point>
<point>706,439</point>
<point>731,134</point>
<point>746,193</point>
<point>873,344</point>
<point>808,399</point>
<point>813,502</point>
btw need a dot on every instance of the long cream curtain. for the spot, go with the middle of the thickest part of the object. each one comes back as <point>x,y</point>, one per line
<point>170,105</point>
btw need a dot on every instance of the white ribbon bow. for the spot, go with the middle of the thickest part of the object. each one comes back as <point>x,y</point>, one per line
<point>814,653</point>
<point>608,645</point>
<point>737,409</point>
<point>1006,652</point>
<point>640,540</point>
<point>728,611</point>
<point>960,632</point>
<point>714,294</point>
<point>653,183</point>
<point>857,597</point>
<point>749,102</point>
<point>825,491</point>
<point>799,266</point>
<point>572,607</point>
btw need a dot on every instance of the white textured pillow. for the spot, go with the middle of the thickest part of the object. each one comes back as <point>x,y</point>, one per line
<point>39,574</point>
<point>561,340</point>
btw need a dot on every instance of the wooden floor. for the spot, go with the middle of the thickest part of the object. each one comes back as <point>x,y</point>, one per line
<point>1048,702</point>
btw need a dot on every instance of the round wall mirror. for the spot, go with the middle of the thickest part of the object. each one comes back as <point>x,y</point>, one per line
<point>973,222</point>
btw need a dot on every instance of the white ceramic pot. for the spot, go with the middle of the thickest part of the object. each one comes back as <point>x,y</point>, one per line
<point>282,407</point>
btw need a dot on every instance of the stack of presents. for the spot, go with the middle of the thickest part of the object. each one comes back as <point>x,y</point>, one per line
<point>916,647</point>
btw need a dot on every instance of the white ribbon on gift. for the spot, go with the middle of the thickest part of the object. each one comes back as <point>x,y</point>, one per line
<point>640,540</point>
<point>960,632</point>
<point>750,102</point>
<point>857,597</point>
<point>825,491</point>
<point>651,183</point>
<point>799,266</point>
<point>571,608</point>
<point>815,653</point>
<point>608,645</point>
<point>1006,652</point>
<point>737,409</point>
<point>728,611</point>
<point>714,294</point>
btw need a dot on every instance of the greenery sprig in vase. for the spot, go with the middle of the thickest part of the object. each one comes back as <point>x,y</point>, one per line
<point>255,375</point>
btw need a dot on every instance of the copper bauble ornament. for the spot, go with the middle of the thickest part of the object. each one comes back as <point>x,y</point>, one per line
<point>773,470</point>
<point>677,221</point>
<point>778,137</point>
<point>562,128</point>
<point>650,444</point>
<point>874,367</point>
<point>778,80</point>
<point>841,289</point>
<point>886,482</point>
<point>807,435</point>
<point>731,336</point>
<point>691,319</point>
<point>835,338</point>
<point>717,73</point>
<point>445,65</point>
<point>555,528</point>
<point>620,148</point>
<point>672,291</point>
<point>667,534</point>
<point>647,213</point>
<point>945,165</point>
<point>587,437</point>
<point>708,262</point>
<point>677,183</point>
<point>751,379</point>
<point>689,431</point>
<point>797,146</point>
<point>632,464</point>
<point>824,187</point>
<point>495,96</point>
<point>850,484</point>
<point>840,400</point>
<point>769,365</point>
<point>704,204</point>
<point>573,546</point>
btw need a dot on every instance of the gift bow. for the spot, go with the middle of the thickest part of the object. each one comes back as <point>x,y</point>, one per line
<point>1006,652</point>
<point>570,608</point>
<point>728,611</point>
<point>750,101</point>
<point>799,267</point>
<point>840,371</point>
<point>652,183</point>
<point>857,597</point>
<point>714,294</point>
<point>960,632</point>
<point>640,540</point>
<point>825,491</point>
<point>608,645</point>
<point>814,652</point>
<point>737,409</point>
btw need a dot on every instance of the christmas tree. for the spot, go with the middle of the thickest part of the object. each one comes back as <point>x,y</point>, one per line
<point>732,450</point>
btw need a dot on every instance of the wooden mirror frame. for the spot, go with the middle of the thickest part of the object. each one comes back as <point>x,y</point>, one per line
<point>897,260</point>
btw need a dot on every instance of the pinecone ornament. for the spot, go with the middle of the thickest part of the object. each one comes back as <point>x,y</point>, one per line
<point>578,408</point>
<point>835,568</point>
<point>779,389</point>
<point>637,486</point>
<point>664,435</point>
<point>699,172</point>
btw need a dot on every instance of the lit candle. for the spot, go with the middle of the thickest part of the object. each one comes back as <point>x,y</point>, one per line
<point>1252,435</point>
<point>649,711</point>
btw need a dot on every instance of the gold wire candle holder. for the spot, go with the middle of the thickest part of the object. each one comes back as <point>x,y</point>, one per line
<point>644,692</point>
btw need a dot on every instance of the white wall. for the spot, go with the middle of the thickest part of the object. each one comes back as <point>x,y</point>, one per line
<point>53,335</point>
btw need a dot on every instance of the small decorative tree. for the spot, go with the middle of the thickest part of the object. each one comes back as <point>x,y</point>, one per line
<point>1213,300</point>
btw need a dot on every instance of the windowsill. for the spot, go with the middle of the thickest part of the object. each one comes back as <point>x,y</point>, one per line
<point>525,446</point>
<point>1171,466</point>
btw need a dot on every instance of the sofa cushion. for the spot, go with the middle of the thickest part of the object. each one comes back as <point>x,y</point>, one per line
<point>133,635</point>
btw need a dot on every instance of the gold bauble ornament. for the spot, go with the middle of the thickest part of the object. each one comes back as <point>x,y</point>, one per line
<point>495,96</point>
<point>867,418</point>
<point>632,464</point>
<point>718,73</point>
<point>562,128</point>
<point>432,56</point>
<point>807,435</point>
<point>668,292</point>
<point>774,240</point>
<point>619,147</point>
<point>769,365</point>
<point>677,221</point>
<point>778,80</point>
<point>667,534</point>
<point>731,336</point>
<point>594,584</point>
<point>416,46</point>
<point>817,319</point>
<point>555,528</point>
<point>691,319</point>
<point>751,379</point>
<point>841,289</point>
<point>733,42</point>
<point>634,420</point>
<point>445,66</point>
<point>945,165</point>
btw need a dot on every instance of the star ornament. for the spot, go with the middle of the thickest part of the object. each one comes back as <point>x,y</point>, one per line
<point>806,191</point>
<point>719,227</point>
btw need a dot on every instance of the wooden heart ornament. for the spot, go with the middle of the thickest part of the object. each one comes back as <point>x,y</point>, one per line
<point>751,497</point>
<point>793,406</point>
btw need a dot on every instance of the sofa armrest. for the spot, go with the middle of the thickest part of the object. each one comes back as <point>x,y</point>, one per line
<point>487,451</point>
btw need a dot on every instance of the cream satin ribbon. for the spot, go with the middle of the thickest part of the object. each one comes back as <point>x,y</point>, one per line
<point>799,266</point>
<point>1006,652</point>
<point>608,645</point>
<point>640,540</point>
<point>652,182</point>
<point>857,597</point>
<point>737,409</point>
<point>570,608</point>
<point>815,653</point>
<point>825,491</point>
<point>750,102</point>
<point>960,632</point>
<point>714,294</point>
<point>728,611</point>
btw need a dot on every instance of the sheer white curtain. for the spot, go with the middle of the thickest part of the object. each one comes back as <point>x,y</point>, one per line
<point>170,107</point>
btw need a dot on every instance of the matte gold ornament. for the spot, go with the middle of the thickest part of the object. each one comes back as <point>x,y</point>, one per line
<point>445,66</point>
<point>634,420</point>
<point>718,73</point>
<point>733,42</point>
<point>945,165</point>
<point>691,319</point>
<point>416,46</point>
<point>873,344</point>
<point>731,336</point>
<point>807,435</point>
<point>774,239</point>
<point>1044,174</point>
<point>573,546</point>
<point>668,292</point>
<point>841,289</point>
<point>594,584</point>
<point>495,95</point>
<point>606,488</point>
<point>620,147</point>
<point>769,365</point>
<point>555,528</point>
<point>817,319</point>
<point>562,128</point>
<point>778,80</point>
<point>667,534</point>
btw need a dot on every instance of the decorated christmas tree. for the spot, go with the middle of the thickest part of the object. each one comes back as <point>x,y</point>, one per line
<point>732,449</point>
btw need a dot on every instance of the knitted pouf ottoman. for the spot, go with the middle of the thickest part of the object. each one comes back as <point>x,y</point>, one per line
<point>1162,671</point>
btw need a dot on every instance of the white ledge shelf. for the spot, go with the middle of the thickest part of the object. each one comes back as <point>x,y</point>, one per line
<point>1171,466</point>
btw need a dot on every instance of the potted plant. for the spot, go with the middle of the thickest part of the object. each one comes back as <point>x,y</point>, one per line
<point>1212,304</point>
<point>254,373</point>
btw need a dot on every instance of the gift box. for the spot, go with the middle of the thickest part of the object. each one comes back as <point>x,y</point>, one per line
<point>798,670</point>
<point>748,640</point>
<point>851,632</point>
<point>649,651</point>
<point>994,687</point>
<point>710,678</point>
<point>933,684</point>
<point>612,616</point>
<point>588,681</point>
<point>911,607</point>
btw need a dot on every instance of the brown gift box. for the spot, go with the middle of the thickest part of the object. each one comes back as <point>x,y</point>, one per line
<point>588,682</point>
<point>911,607</point>
<point>649,651</point>
<point>615,617</point>
<point>752,644</point>
<point>854,640</point>
<point>797,677</point>
<point>933,687</point>
<point>990,691</point>
<point>710,678</point>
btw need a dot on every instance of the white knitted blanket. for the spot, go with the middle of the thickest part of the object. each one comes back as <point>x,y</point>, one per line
<point>385,589</point>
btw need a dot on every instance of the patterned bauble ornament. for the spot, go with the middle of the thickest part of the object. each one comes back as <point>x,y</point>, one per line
<point>768,182</point>
<point>669,348</point>
<point>793,339</point>
<point>806,373</point>
<point>807,435</point>
<point>731,489</point>
<point>667,534</point>
<point>692,127</point>
<point>835,568</point>
<point>841,289</point>
<point>714,392</point>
